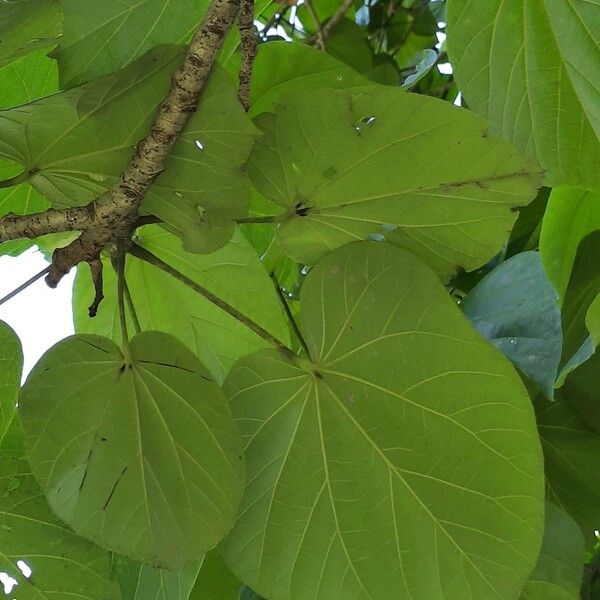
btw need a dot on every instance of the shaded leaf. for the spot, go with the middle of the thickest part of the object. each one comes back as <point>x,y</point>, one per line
<point>27,26</point>
<point>102,37</point>
<point>143,582</point>
<point>215,580</point>
<point>571,458</point>
<point>375,161</point>
<point>234,273</point>
<point>559,570</point>
<point>62,564</point>
<point>532,69</point>
<point>427,60</point>
<point>516,308</point>
<point>152,468</point>
<point>11,367</point>
<point>404,433</point>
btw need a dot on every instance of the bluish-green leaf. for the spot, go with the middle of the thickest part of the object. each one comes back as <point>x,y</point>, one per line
<point>516,308</point>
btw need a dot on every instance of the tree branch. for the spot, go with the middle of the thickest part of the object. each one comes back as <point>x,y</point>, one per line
<point>112,216</point>
<point>249,42</point>
<point>332,23</point>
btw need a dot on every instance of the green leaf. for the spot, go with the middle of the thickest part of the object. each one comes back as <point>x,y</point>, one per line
<point>516,308</point>
<point>375,161</point>
<point>234,273</point>
<point>22,81</point>
<point>143,582</point>
<point>62,564</point>
<point>571,458</point>
<point>559,570</point>
<point>86,136</point>
<point>570,216</point>
<point>11,367</point>
<point>581,387</point>
<point>347,43</point>
<point>282,67</point>
<point>27,26</point>
<point>404,452</point>
<point>532,69</point>
<point>215,580</point>
<point>152,468</point>
<point>102,37</point>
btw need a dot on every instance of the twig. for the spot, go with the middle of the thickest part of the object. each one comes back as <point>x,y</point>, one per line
<point>112,216</point>
<point>150,258</point>
<point>334,21</point>
<point>121,255</point>
<point>249,42</point>
<point>24,285</point>
<point>96,269</point>
<point>289,315</point>
<point>319,39</point>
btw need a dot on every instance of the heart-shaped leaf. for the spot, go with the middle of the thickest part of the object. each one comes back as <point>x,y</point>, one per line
<point>405,445</point>
<point>11,366</point>
<point>143,457</point>
<point>44,558</point>
<point>375,161</point>
<point>532,69</point>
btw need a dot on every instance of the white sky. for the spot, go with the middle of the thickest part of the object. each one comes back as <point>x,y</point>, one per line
<point>41,316</point>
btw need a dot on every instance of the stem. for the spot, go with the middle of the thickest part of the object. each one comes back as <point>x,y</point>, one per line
<point>150,258</point>
<point>289,315</point>
<point>24,285</point>
<point>16,180</point>
<point>263,219</point>
<point>121,302</point>
<point>132,311</point>
<point>319,39</point>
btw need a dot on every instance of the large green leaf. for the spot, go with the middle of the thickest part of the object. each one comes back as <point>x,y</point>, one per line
<point>282,67</point>
<point>581,387</point>
<point>532,69</point>
<point>349,164</point>
<point>571,457</point>
<point>11,366</point>
<point>400,461</point>
<point>27,26</point>
<point>558,573</point>
<point>62,564</point>
<point>516,308</point>
<point>570,216</point>
<point>151,467</point>
<point>102,37</point>
<point>85,137</point>
<point>144,582</point>
<point>234,273</point>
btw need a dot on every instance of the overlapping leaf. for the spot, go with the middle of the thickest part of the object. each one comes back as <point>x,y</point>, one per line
<point>11,365</point>
<point>85,137</point>
<point>557,575</point>
<point>143,582</point>
<point>62,564</point>
<point>102,37</point>
<point>142,457</point>
<point>27,26</point>
<point>349,164</point>
<point>215,580</point>
<point>516,308</point>
<point>282,67</point>
<point>234,273</point>
<point>405,445</point>
<point>571,456</point>
<point>532,69</point>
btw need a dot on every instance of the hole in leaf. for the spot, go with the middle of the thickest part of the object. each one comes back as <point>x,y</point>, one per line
<point>24,568</point>
<point>8,582</point>
<point>199,144</point>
